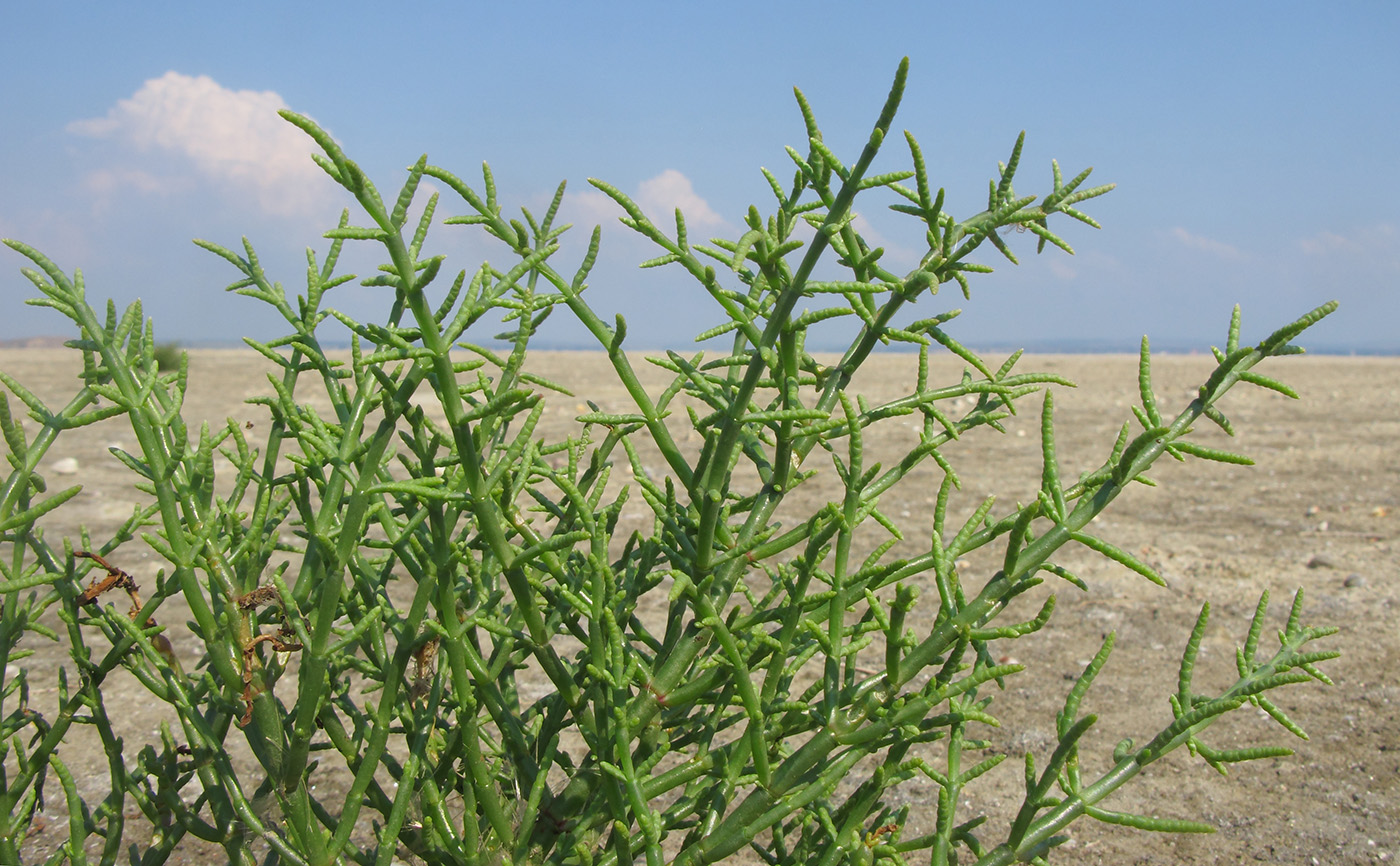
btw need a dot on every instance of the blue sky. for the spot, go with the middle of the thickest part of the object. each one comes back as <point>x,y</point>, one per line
<point>1253,144</point>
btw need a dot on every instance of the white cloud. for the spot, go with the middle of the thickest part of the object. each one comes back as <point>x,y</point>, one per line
<point>1062,269</point>
<point>106,181</point>
<point>1377,240</point>
<point>1323,243</point>
<point>233,137</point>
<point>592,207</point>
<point>661,195</point>
<point>1207,245</point>
<point>658,197</point>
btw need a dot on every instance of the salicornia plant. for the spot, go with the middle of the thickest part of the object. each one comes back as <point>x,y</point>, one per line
<point>457,616</point>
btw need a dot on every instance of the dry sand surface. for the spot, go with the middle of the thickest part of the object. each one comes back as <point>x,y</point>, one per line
<point>1320,511</point>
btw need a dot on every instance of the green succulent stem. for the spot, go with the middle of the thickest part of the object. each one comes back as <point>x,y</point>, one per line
<point>407,580</point>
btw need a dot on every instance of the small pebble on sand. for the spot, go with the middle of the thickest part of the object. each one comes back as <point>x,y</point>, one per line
<point>66,466</point>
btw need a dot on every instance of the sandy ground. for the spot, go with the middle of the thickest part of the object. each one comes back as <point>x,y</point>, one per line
<point>1320,511</point>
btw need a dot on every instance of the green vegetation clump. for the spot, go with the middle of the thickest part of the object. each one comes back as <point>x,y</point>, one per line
<point>455,611</point>
<point>167,356</point>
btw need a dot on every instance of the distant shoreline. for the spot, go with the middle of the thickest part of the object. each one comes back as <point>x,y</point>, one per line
<point>1053,347</point>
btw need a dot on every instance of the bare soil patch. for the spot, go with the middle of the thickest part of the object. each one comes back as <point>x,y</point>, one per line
<point>1320,511</point>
